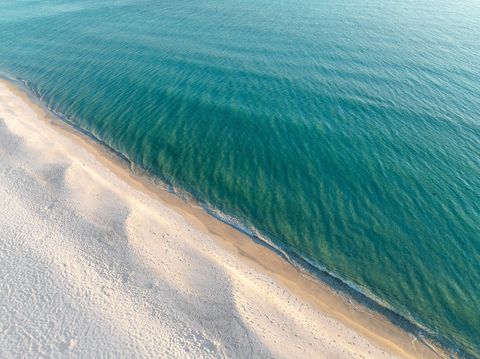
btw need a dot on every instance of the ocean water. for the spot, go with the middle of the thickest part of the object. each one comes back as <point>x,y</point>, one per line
<point>345,132</point>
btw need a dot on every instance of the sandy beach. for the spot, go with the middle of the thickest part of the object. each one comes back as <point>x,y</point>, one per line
<point>95,261</point>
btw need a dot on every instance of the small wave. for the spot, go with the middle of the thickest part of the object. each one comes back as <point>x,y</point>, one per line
<point>341,286</point>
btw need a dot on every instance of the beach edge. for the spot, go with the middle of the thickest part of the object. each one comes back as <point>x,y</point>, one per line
<point>372,325</point>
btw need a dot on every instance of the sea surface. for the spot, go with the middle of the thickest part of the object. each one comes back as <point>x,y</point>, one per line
<point>347,133</point>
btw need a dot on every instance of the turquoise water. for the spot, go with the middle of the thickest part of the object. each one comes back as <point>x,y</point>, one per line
<point>347,132</point>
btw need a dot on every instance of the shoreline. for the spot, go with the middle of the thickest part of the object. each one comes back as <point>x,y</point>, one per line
<point>371,325</point>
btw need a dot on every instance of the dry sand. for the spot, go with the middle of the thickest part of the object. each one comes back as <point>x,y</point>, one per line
<point>94,262</point>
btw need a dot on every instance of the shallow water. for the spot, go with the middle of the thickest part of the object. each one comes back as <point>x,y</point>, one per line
<point>346,132</point>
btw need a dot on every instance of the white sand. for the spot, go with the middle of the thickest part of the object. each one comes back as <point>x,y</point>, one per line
<point>92,267</point>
